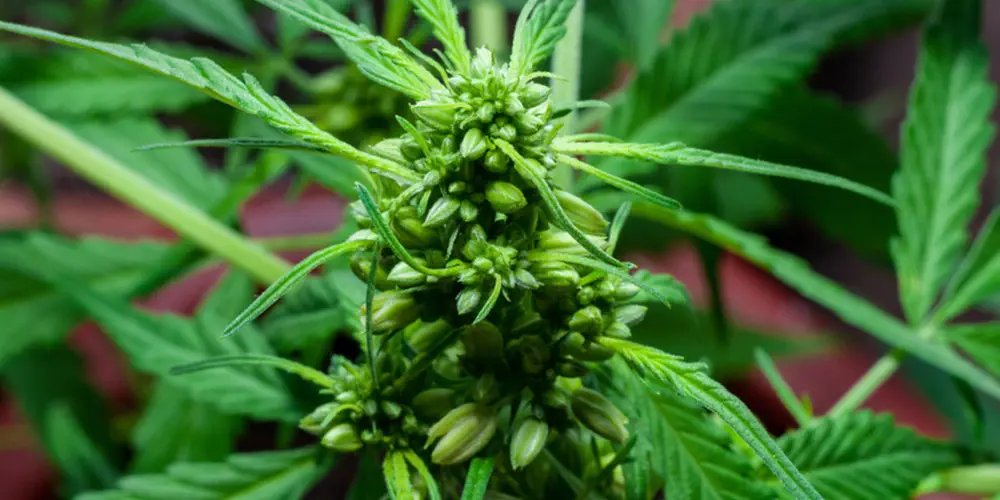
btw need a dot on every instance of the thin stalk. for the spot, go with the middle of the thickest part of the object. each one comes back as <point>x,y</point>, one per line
<point>869,382</point>
<point>489,26</point>
<point>566,89</point>
<point>130,187</point>
<point>973,480</point>
<point>308,241</point>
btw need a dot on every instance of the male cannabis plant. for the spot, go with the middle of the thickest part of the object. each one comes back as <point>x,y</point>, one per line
<point>494,302</point>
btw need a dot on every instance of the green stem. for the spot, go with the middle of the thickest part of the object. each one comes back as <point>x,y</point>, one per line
<point>869,382</point>
<point>566,89</point>
<point>489,26</point>
<point>973,480</point>
<point>308,241</point>
<point>123,183</point>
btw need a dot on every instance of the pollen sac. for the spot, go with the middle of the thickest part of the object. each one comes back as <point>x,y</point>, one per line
<point>529,440</point>
<point>391,311</point>
<point>599,415</point>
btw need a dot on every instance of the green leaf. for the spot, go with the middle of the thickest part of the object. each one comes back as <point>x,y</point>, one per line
<point>635,28</point>
<point>81,462</point>
<point>443,16</point>
<point>540,25</point>
<point>979,340</point>
<point>863,456</point>
<point>690,381</point>
<point>246,95</point>
<point>686,450</point>
<point>397,476</point>
<point>381,61</point>
<point>943,149</point>
<point>425,474</point>
<point>180,171</point>
<point>234,142</point>
<point>33,312</point>
<point>174,428</point>
<point>679,154</point>
<point>821,134</point>
<point>157,343</point>
<point>478,478</point>
<point>620,183</point>
<point>225,20</point>
<point>271,475</point>
<point>852,309</point>
<point>50,386</point>
<point>312,313</point>
<point>978,276</point>
<point>307,373</point>
<point>79,95</point>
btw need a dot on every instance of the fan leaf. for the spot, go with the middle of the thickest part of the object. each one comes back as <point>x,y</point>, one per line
<point>540,25</point>
<point>443,16</point>
<point>225,20</point>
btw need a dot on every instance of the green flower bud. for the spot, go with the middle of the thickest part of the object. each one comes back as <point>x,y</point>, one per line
<point>317,420</point>
<point>587,321</point>
<point>626,291</point>
<point>359,214</point>
<point>535,354</point>
<point>440,116</point>
<point>364,235</point>
<point>631,314</point>
<point>534,94</point>
<point>555,274</point>
<point>474,144</point>
<point>482,63</point>
<point>529,123</point>
<point>505,197</point>
<point>342,438</point>
<point>468,211</point>
<point>469,299</point>
<point>581,214</point>
<point>468,436</point>
<point>592,351</point>
<point>486,112</point>
<point>433,403</point>
<point>448,144</point>
<point>391,409</point>
<point>507,132</point>
<point>410,149</point>
<point>457,187</point>
<point>618,330</point>
<point>529,439</point>
<point>422,336</point>
<point>391,311</point>
<point>403,275</point>
<point>525,279</point>
<point>599,415</point>
<point>390,149</point>
<point>361,265</point>
<point>411,231</point>
<point>528,323</point>
<point>571,369</point>
<point>443,210</point>
<point>513,106</point>
<point>496,161</point>
<point>483,342</point>
<point>486,388</point>
<point>562,242</point>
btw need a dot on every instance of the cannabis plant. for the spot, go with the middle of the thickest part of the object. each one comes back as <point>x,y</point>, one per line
<point>495,356</point>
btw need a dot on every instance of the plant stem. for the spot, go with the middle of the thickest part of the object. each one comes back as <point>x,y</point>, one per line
<point>974,480</point>
<point>308,241</point>
<point>489,26</point>
<point>566,88</point>
<point>130,187</point>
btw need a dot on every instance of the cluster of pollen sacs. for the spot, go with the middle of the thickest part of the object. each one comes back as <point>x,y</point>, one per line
<point>509,383</point>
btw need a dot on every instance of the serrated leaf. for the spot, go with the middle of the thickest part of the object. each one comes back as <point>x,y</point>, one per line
<point>681,155</point>
<point>233,142</point>
<point>43,379</point>
<point>180,171</point>
<point>852,309</point>
<point>397,476</point>
<point>978,277</point>
<point>478,478</point>
<point>83,95</point>
<point>378,59</point>
<point>225,20</point>
<point>540,25</point>
<point>246,95</point>
<point>82,463</point>
<point>33,312</point>
<point>635,28</point>
<point>174,428</point>
<point>443,16</point>
<point>272,475</point>
<point>863,456</point>
<point>663,371</point>
<point>943,154</point>
<point>692,455</point>
<point>979,340</point>
<point>312,313</point>
<point>157,343</point>
<point>821,134</point>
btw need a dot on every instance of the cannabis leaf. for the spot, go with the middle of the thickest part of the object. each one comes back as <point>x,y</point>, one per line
<point>980,340</point>
<point>478,479</point>
<point>539,26</point>
<point>158,343</point>
<point>634,28</point>
<point>850,308</point>
<point>381,61</point>
<point>102,94</point>
<point>33,312</point>
<point>978,276</point>
<point>273,475</point>
<point>690,453</point>
<point>863,456</point>
<point>665,371</point>
<point>943,152</point>
<point>679,154</point>
<point>225,20</point>
<point>443,16</point>
<point>82,463</point>
<point>174,428</point>
<point>246,95</point>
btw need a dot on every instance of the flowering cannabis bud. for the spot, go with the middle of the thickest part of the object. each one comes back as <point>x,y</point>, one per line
<point>464,432</point>
<point>505,197</point>
<point>599,415</point>
<point>391,311</point>
<point>342,438</point>
<point>529,439</point>
<point>581,213</point>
